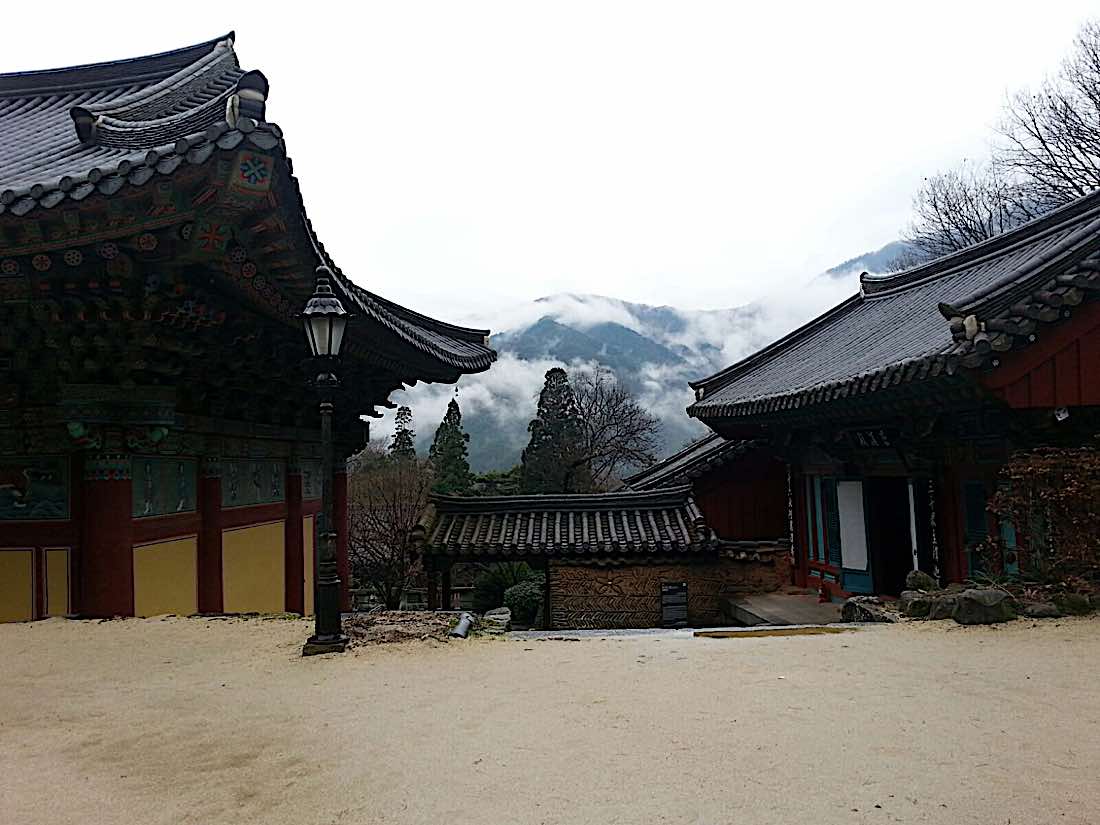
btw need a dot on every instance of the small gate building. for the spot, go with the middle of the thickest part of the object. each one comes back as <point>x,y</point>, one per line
<point>610,560</point>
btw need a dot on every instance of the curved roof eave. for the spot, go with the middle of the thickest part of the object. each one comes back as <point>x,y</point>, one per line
<point>106,170</point>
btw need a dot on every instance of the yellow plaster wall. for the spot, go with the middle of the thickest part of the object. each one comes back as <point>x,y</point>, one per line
<point>57,582</point>
<point>307,563</point>
<point>253,573</point>
<point>166,578</point>
<point>16,585</point>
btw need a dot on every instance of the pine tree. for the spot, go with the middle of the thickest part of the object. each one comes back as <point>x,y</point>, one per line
<point>553,461</point>
<point>404,439</point>
<point>448,455</point>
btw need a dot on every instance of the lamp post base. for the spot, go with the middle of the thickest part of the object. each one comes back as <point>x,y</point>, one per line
<point>317,645</point>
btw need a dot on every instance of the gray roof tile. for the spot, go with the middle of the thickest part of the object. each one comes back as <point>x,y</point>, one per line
<point>897,328</point>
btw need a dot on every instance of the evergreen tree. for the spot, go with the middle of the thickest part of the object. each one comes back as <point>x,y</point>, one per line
<point>404,439</point>
<point>448,454</point>
<point>553,461</point>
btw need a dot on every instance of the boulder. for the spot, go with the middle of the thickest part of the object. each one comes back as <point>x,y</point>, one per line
<point>866,609</point>
<point>919,580</point>
<point>1041,610</point>
<point>497,620</point>
<point>984,606</point>
<point>1075,604</point>
<point>916,604</point>
<point>943,606</point>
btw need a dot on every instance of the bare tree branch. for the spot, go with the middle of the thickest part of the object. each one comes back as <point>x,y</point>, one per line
<point>617,433</point>
<point>387,496</point>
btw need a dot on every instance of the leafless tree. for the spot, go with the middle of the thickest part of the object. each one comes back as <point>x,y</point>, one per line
<point>386,498</point>
<point>1051,137</point>
<point>962,207</point>
<point>1047,154</point>
<point>616,431</point>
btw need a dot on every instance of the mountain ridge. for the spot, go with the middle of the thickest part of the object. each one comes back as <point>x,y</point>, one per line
<point>654,350</point>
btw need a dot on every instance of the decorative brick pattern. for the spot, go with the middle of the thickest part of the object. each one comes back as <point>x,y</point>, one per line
<point>629,596</point>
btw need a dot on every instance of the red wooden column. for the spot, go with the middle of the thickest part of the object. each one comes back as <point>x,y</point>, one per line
<point>107,537</point>
<point>800,539</point>
<point>340,517</point>
<point>433,591</point>
<point>210,537</point>
<point>949,524</point>
<point>293,562</point>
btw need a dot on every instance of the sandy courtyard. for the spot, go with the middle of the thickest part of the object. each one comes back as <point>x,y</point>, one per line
<point>198,721</point>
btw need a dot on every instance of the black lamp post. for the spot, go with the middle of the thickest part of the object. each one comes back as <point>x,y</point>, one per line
<point>325,321</point>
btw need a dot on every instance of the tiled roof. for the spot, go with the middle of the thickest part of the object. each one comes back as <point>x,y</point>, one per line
<point>959,311</point>
<point>623,524</point>
<point>707,453</point>
<point>67,134</point>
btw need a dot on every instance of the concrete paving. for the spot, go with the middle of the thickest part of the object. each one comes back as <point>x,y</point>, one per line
<point>784,609</point>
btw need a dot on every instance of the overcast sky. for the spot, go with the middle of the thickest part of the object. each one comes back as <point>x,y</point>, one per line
<point>459,156</point>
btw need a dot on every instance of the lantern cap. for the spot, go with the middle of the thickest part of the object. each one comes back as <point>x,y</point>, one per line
<point>324,317</point>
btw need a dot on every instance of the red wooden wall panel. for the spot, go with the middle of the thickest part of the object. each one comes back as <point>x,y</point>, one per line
<point>1089,366</point>
<point>1059,370</point>
<point>1067,377</point>
<point>747,499</point>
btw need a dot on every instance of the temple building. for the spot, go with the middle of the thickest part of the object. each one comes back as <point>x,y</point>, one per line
<point>896,409</point>
<point>159,440</point>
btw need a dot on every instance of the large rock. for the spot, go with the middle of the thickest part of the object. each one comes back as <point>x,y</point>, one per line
<point>866,609</point>
<point>1075,604</point>
<point>919,580</point>
<point>985,606</point>
<point>1041,610</point>
<point>916,604</point>
<point>943,606</point>
<point>497,620</point>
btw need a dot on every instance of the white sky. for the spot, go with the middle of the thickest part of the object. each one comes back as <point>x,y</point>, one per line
<point>457,157</point>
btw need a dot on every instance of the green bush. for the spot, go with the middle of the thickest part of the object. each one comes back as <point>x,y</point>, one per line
<point>523,599</point>
<point>490,584</point>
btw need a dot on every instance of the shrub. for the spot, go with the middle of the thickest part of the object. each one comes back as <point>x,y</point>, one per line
<point>490,584</point>
<point>523,599</point>
<point>1052,495</point>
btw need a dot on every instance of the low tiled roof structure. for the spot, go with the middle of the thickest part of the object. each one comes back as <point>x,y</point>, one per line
<point>708,453</point>
<point>960,311</point>
<point>623,524</point>
<point>100,130</point>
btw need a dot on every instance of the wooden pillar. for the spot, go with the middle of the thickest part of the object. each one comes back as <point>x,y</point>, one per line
<point>293,547</point>
<point>107,538</point>
<point>547,616</point>
<point>948,523</point>
<point>433,593</point>
<point>800,540</point>
<point>340,517</point>
<point>210,537</point>
<point>445,575</point>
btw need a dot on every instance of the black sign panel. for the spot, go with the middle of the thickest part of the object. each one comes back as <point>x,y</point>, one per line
<point>674,604</point>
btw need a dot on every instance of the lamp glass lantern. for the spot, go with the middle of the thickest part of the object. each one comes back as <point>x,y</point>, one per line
<point>324,318</point>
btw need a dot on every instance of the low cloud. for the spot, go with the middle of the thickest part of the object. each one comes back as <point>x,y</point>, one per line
<point>498,404</point>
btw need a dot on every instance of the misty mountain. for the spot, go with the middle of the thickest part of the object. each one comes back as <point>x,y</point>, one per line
<point>654,350</point>
<point>881,260</point>
<point>610,344</point>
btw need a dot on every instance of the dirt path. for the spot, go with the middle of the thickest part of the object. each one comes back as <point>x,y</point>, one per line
<point>195,721</point>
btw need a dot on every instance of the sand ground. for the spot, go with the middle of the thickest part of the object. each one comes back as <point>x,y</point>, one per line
<point>200,721</point>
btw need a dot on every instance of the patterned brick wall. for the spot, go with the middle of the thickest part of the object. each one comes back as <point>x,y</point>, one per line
<point>588,596</point>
